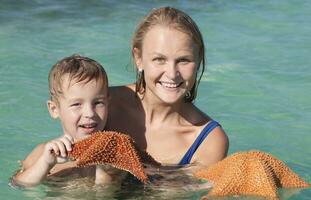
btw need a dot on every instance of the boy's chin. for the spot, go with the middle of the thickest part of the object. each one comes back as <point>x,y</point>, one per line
<point>87,134</point>
<point>81,136</point>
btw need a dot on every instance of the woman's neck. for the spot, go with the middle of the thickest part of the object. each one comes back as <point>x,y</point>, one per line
<point>159,113</point>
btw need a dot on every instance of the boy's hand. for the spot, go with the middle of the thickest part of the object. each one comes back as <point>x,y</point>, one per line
<point>55,151</point>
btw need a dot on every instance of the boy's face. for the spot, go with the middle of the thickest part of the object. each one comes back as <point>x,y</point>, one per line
<point>83,107</point>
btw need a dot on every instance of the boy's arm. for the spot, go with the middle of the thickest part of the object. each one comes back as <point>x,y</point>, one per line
<point>101,176</point>
<point>106,174</point>
<point>34,168</point>
<point>33,156</point>
<point>41,160</point>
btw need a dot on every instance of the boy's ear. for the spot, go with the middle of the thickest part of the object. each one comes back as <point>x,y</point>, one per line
<point>53,110</point>
<point>137,58</point>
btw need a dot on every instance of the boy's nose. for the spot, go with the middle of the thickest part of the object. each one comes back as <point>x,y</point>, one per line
<point>88,111</point>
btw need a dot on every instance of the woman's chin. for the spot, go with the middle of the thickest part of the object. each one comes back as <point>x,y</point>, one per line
<point>171,97</point>
<point>171,100</point>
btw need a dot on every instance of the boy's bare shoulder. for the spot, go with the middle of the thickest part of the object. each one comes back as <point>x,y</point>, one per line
<point>33,156</point>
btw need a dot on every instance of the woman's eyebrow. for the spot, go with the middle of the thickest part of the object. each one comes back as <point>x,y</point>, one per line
<point>157,54</point>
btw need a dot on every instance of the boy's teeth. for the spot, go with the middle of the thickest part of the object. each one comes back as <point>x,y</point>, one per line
<point>88,126</point>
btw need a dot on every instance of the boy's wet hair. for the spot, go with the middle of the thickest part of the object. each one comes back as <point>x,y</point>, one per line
<point>173,18</point>
<point>79,69</point>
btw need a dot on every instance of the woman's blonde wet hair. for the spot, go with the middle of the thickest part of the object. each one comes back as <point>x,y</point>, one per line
<point>178,20</point>
<point>79,69</point>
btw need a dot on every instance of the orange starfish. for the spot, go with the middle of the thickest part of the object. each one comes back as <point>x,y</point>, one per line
<point>243,173</point>
<point>250,173</point>
<point>109,147</point>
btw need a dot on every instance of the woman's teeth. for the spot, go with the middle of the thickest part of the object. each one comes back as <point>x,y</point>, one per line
<point>170,85</point>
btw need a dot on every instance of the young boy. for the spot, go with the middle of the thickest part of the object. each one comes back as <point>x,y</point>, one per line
<point>78,88</point>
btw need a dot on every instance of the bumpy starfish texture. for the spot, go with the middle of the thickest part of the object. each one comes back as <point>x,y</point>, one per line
<point>109,147</point>
<point>243,173</point>
<point>250,173</point>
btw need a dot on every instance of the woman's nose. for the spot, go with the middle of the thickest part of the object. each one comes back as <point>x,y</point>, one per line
<point>172,71</point>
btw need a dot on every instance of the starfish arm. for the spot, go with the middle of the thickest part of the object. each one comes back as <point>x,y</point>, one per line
<point>250,173</point>
<point>80,147</point>
<point>229,182</point>
<point>111,148</point>
<point>259,179</point>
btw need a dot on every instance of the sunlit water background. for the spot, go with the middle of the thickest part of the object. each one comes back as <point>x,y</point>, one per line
<point>257,83</point>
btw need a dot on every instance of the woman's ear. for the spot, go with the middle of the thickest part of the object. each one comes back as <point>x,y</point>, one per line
<point>53,110</point>
<point>137,58</point>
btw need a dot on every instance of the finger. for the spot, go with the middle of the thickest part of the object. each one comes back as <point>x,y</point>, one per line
<point>61,147</point>
<point>69,137</point>
<point>54,148</point>
<point>66,142</point>
<point>61,160</point>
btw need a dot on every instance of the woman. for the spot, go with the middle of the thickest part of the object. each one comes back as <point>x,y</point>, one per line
<point>158,111</point>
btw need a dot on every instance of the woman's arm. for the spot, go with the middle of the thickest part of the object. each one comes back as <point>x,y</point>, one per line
<point>213,149</point>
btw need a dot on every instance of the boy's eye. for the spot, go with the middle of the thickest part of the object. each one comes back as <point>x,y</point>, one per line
<point>100,103</point>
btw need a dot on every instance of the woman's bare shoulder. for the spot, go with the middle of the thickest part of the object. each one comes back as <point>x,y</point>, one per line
<point>122,96</point>
<point>124,106</point>
<point>123,90</point>
<point>214,148</point>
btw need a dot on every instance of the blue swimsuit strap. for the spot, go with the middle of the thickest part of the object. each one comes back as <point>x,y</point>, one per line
<point>207,129</point>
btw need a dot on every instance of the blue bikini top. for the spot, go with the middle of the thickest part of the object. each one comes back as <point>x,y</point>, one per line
<point>207,129</point>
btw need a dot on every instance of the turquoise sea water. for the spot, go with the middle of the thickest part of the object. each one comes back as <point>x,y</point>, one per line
<point>257,83</point>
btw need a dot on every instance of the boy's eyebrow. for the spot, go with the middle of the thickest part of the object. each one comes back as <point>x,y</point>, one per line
<point>101,97</point>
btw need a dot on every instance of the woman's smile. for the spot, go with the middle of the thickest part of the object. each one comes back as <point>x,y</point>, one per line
<point>170,84</point>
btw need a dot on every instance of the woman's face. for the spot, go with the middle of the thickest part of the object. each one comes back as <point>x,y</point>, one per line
<point>170,60</point>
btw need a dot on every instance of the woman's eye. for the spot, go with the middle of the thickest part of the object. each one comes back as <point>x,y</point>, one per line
<point>159,60</point>
<point>75,104</point>
<point>184,60</point>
